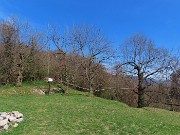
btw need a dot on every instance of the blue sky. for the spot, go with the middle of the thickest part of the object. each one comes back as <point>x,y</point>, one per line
<point>158,19</point>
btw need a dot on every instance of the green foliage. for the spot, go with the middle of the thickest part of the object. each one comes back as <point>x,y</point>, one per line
<point>82,113</point>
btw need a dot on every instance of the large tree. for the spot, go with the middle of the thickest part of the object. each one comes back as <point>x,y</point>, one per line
<point>175,84</point>
<point>8,41</point>
<point>87,49</point>
<point>142,59</point>
<point>18,47</point>
<point>94,47</point>
<point>175,77</point>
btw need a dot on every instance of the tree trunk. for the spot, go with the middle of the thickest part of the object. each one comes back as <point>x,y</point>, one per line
<point>91,80</point>
<point>19,79</point>
<point>20,68</point>
<point>91,87</point>
<point>140,90</point>
<point>140,98</point>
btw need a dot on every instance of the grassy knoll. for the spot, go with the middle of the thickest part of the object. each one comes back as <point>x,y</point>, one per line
<point>81,113</point>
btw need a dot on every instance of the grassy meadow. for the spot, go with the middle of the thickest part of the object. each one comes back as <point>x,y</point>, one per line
<point>81,113</point>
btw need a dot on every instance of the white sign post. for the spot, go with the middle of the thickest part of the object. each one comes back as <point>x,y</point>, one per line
<point>50,80</point>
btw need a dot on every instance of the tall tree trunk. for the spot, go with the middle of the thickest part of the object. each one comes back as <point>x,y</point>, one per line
<point>91,86</point>
<point>20,68</point>
<point>140,90</point>
<point>19,78</point>
<point>91,78</point>
<point>140,98</point>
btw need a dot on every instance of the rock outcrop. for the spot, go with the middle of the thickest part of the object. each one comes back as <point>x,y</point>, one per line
<point>10,119</point>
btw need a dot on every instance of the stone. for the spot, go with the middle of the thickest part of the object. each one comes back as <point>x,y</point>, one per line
<point>5,127</point>
<point>19,120</point>
<point>1,118</point>
<point>15,125</point>
<point>10,119</point>
<point>17,114</point>
<point>41,92</point>
<point>4,114</point>
<point>3,122</point>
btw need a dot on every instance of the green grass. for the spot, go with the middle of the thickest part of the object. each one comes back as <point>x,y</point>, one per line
<point>25,89</point>
<point>81,113</point>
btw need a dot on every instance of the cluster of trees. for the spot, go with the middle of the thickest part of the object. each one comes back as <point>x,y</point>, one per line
<point>20,53</point>
<point>139,74</point>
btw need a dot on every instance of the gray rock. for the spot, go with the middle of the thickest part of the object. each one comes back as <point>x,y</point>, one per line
<point>12,119</point>
<point>5,127</point>
<point>4,114</point>
<point>19,120</point>
<point>17,114</point>
<point>1,118</point>
<point>3,122</point>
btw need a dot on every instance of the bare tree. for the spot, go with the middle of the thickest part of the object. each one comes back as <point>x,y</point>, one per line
<point>175,77</point>
<point>61,42</point>
<point>18,44</point>
<point>21,29</point>
<point>85,48</point>
<point>142,59</point>
<point>94,47</point>
<point>7,34</point>
<point>14,38</point>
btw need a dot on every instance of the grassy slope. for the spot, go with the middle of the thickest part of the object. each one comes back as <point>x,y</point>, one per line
<point>79,113</point>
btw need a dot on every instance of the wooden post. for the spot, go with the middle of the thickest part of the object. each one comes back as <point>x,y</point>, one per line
<point>50,80</point>
<point>49,88</point>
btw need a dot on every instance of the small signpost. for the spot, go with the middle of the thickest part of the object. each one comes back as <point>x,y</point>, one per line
<point>50,80</point>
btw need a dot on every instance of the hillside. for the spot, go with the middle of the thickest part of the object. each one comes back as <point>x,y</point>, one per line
<point>81,113</point>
